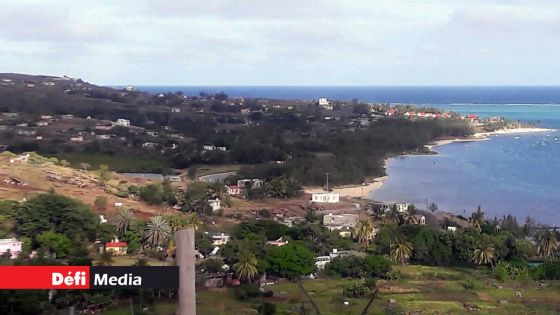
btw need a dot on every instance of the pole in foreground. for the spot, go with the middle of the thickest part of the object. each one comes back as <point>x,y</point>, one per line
<point>185,253</point>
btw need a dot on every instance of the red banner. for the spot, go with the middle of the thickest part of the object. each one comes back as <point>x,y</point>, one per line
<point>44,277</point>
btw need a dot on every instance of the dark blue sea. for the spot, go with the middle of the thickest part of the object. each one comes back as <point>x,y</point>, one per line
<point>506,174</point>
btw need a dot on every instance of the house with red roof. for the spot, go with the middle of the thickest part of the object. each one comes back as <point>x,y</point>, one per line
<point>116,248</point>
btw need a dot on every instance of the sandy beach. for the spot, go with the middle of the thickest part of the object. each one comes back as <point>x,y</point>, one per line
<point>353,191</point>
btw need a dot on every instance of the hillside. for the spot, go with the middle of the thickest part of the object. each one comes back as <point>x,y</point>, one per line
<point>21,178</point>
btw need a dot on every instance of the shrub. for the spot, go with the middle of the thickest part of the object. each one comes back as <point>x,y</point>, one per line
<point>246,291</point>
<point>377,265</point>
<point>355,290</point>
<point>469,284</point>
<point>267,308</point>
<point>268,293</point>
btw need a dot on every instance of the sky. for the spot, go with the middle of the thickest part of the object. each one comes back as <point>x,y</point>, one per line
<point>284,42</point>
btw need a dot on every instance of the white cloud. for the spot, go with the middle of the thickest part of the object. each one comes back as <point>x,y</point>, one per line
<point>283,42</point>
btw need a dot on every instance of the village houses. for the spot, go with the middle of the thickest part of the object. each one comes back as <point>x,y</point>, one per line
<point>10,245</point>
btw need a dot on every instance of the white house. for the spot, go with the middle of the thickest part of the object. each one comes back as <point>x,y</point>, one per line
<point>220,239</point>
<point>209,147</point>
<point>340,221</point>
<point>323,101</point>
<point>233,190</point>
<point>329,197</point>
<point>77,139</point>
<point>322,261</point>
<point>452,228</point>
<point>10,245</point>
<point>123,122</point>
<point>215,204</point>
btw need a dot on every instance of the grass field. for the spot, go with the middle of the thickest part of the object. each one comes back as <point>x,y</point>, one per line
<point>421,290</point>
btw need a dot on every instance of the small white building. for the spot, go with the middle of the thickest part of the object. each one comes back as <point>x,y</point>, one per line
<point>329,197</point>
<point>323,101</point>
<point>220,239</point>
<point>340,221</point>
<point>215,204</point>
<point>123,122</point>
<point>11,245</point>
<point>77,139</point>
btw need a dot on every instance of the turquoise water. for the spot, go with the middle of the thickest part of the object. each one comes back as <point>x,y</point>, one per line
<point>504,175</point>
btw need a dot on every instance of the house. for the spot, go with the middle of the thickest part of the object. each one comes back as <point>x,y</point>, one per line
<point>400,207</point>
<point>420,219</point>
<point>77,139</point>
<point>224,149</point>
<point>118,204</point>
<point>103,137</point>
<point>340,221</point>
<point>129,88</point>
<point>323,101</point>
<point>67,116</point>
<point>152,133</point>
<point>149,145</point>
<point>215,204</point>
<point>116,248</point>
<point>175,110</point>
<point>39,138</point>
<point>173,178</point>
<point>233,190</point>
<point>209,147</point>
<point>22,159</point>
<point>322,261</point>
<point>245,111</point>
<point>279,242</point>
<point>123,122</point>
<point>46,117</point>
<point>472,117</point>
<point>42,123</point>
<point>328,197</point>
<point>103,127</point>
<point>452,228</point>
<point>249,183</point>
<point>220,239</point>
<point>10,245</point>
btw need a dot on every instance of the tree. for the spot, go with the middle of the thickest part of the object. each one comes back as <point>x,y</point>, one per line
<point>547,243</point>
<point>123,221</point>
<point>410,215</point>
<point>291,261</point>
<point>56,213</point>
<point>104,174</point>
<point>246,267</point>
<point>85,166</point>
<point>401,251</point>
<point>477,220</point>
<point>156,232</point>
<point>194,221</point>
<point>484,255</point>
<point>100,203</point>
<point>56,243</point>
<point>365,232</point>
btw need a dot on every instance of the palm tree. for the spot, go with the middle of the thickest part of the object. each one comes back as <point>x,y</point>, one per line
<point>401,251</point>
<point>156,232</point>
<point>547,243</point>
<point>193,221</point>
<point>410,215</point>
<point>365,232</point>
<point>246,267</point>
<point>176,222</point>
<point>484,255</point>
<point>124,220</point>
<point>393,215</point>
<point>477,220</point>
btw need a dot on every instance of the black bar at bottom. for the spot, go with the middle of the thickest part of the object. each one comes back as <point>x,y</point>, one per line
<point>116,277</point>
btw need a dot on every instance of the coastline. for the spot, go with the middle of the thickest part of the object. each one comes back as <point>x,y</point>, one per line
<point>483,136</point>
<point>362,191</point>
<point>352,191</point>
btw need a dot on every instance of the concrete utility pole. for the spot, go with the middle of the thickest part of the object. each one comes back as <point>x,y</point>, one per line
<point>184,240</point>
<point>327,181</point>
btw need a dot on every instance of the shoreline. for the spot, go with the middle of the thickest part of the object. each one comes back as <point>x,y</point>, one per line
<point>362,191</point>
<point>352,191</point>
<point>484,136</point>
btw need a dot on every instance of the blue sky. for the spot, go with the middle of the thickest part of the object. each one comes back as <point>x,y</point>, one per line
<point>311,42</point>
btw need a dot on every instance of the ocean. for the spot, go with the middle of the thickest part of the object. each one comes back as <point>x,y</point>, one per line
<point>504,175</point>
